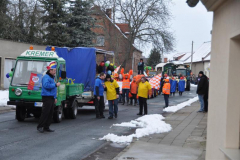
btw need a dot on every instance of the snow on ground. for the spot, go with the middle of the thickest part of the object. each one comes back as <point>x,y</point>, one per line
<point>181,105</point>
<point>148,124</point>
<point>193,85</point>
<point>3,98</point>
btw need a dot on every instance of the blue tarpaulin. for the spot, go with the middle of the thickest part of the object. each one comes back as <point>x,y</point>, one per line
<point>181,85</point>
<point>173,86</point>
<point>80,64</point>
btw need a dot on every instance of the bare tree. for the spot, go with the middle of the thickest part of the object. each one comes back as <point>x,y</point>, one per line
<point>148,21</point>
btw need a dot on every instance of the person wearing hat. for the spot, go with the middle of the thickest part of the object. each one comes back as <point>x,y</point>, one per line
<point>166,91</point>
<point>49,98</point>
<point>140,66</point>
<point>202,90</point>
<point>144,90</point>
<point>112,89</point>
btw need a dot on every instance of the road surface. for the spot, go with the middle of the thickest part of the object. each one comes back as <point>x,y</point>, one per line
<point>72,139</point>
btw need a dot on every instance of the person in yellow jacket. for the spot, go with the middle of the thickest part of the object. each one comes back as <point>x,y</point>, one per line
<point>166,91</point>
<point>144,89</point>
<point>112,89</point>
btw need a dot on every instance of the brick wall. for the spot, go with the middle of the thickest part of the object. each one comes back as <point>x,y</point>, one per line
<point>114,40</point>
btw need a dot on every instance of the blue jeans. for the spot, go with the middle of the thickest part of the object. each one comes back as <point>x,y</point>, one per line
<point>111,104</point>
<point>125,91</point>
<point>200,97</point>
<point>120,98</point>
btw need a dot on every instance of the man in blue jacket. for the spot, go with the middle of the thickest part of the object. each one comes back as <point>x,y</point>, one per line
<point>49,98</point>
<point>98,94</point>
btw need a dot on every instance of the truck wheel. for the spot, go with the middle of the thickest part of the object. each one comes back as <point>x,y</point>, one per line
<point>20,113</point>
<point>58,114</point>
<point>37,115</point>
<point>66,113</point>
<point>73,110</point>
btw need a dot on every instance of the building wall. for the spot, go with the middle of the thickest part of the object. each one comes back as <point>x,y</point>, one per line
<point>201,66</point>
<point>196,67</point>
<point>115,41</point>
<point>207,69</point>
<point>224,101</point>
<point>11,50</point>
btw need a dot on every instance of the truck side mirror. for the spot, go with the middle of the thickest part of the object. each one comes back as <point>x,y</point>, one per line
<point>63,74</point>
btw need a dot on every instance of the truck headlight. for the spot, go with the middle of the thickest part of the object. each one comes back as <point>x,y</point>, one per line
<point>18,92</point>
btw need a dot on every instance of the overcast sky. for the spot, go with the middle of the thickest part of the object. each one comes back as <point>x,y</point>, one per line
<point>189,24</point>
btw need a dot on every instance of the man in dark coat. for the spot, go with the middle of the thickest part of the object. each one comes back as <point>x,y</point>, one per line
<point>202,91</point>
<point>49,98</point>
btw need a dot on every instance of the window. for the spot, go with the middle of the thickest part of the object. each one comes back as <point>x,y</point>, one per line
<point>24,69</point>
<point>100,41</point>
<point>61,68</point>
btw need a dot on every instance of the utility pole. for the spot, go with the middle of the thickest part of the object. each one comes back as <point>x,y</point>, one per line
<point>162,57</point>
<point>192,55</point>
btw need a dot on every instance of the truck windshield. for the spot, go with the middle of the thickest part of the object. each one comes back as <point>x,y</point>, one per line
<point>181,71</point>
<point>24,69</point>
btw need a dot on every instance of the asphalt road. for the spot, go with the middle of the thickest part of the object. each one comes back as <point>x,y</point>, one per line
<point>72,139</point>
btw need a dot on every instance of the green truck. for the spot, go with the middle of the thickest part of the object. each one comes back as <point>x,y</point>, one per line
<point>177,69</point>
<point>30,67</point>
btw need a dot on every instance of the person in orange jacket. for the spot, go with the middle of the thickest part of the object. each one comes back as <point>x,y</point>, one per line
<point>166,91</point>
<point>133,91</point>
<point>125,88</point>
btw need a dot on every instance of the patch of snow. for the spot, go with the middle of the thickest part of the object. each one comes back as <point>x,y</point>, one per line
<point>148,124</point>
<point>181,105</point>
<point>193,85</point>
<point>4,97</point>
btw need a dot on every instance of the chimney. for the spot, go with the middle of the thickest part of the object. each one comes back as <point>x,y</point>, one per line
<point>165,60</point>
<point>109,13</point>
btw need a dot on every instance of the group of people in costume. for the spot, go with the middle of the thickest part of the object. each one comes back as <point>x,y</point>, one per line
<point>171,85</point>
<point>134,89</point>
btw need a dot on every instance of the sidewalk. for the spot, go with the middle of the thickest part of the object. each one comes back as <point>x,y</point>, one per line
<point>186,141</point>
<point>4,109</point>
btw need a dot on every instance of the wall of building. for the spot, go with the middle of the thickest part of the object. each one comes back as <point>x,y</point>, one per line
<point>115,41</point>
<point>224,101</point>
<point>196,67</point>
<point>9,52</point>
<point>207,69</point>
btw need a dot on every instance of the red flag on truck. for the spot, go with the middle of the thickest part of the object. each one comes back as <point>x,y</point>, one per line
<point>35,81</point>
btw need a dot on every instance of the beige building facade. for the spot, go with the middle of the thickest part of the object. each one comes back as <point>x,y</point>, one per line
<point>224,99</point>
<point>9,51</point>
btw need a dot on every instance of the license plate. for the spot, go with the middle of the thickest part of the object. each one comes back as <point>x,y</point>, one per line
<point>38,104</point>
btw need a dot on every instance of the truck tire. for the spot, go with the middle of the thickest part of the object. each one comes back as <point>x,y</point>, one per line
<point>73,110</point>
<point>37,115</point>
<point>58,114</point>
<point>20,113</point>
<point>66,113</point>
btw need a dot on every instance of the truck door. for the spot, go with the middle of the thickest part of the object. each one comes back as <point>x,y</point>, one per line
<point>61,93</point>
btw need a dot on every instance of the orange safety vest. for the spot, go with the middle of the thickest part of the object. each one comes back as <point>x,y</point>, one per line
<point>134,87</point>
<point>166,88</point>
<point>125,84</point>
